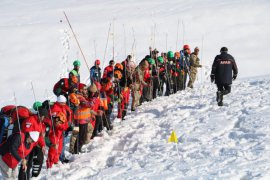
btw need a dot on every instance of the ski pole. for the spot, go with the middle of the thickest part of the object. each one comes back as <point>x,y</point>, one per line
<point>76,40</point>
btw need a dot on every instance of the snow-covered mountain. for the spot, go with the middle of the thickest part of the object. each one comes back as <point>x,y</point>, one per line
<point>229,142</point>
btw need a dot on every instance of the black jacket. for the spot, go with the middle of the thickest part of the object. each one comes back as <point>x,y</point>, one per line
<point>12,144</point>
<point>223,67</point>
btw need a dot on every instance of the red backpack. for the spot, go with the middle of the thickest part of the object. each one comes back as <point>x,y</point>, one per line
<point>61,87</point>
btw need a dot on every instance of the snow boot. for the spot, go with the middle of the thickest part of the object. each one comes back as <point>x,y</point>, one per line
<point>220,103</point>
<point>219,96</point>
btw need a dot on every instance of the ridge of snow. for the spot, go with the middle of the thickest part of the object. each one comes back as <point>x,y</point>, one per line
<point>229,142</point>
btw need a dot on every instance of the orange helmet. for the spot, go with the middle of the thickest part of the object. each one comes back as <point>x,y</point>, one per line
<point>117,74</point>
<point>119,66</point>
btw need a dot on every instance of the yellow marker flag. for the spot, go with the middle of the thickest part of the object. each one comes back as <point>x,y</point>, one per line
<point>173,138</point>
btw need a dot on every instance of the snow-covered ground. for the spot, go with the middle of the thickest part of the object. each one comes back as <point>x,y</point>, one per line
<point>36,46</point>
<point>229,142</point>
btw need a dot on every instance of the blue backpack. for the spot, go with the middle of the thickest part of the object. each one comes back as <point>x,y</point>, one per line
<point>4,123</point>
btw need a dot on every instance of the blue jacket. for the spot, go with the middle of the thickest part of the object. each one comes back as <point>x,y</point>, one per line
<point>184,61</point>
<point>4,123</point>
<point>95,74</point>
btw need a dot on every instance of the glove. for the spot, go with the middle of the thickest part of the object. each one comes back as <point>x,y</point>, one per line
<point>234,77</point>
<point>212,78</point>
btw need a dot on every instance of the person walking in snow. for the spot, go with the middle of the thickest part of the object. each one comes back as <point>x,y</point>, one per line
<point>194,65</point>
<point>224,70</point>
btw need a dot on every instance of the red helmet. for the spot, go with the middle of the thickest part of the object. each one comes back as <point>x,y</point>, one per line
<point>97,62</point>
<point>186,47</point>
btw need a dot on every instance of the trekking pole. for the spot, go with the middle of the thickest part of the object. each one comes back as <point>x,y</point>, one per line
<point>106,46</point>
<point>19,125</point>
<point>76,40</point>
<point>176,44</point>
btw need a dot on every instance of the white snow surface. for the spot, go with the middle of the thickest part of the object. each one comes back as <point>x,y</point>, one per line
<point>36,46</point>
<point>229,142</point>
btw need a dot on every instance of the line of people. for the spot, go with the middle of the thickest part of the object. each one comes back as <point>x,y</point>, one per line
<point>86,111</point>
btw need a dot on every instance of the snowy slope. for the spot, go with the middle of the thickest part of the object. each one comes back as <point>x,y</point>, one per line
<point>37,47</point>
<point>230,142</point>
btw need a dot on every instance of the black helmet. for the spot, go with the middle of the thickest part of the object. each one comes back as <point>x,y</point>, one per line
<point>111,62</point>
<point>224,49</point>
